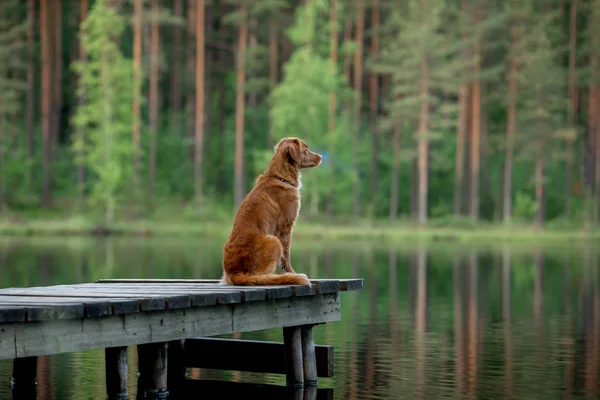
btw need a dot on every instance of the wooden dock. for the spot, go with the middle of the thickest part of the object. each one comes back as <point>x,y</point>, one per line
<point>171,323</point>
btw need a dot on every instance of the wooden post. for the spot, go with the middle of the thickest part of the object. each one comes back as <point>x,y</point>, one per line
<point>23,381</point>
<point>152,359</point>
<point>292,341</point>
<point>176,368</point>
<point>309,358</point>
<point>115,364</point>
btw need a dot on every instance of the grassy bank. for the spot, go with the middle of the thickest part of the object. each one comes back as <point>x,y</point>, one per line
<point>437,230</point>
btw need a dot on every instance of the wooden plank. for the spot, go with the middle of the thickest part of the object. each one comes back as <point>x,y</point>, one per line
<point>46,310</point>
<point>7,340</point>
<point>248,355</point>
<point>245,319</point>
<point>246,390</point>
<point>64,307</point>
<point>12,314</point>
<point>327,286</point>
<point>150,299</point>
<point>345,284</point>
<point>60,336</point>
<point>247,293</point>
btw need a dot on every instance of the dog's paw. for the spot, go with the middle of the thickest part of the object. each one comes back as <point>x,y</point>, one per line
<point>302,275</point>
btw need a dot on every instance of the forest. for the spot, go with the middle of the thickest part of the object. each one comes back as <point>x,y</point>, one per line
<point>470,111</point>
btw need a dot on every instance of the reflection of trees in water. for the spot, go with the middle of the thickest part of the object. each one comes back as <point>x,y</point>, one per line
<point>458,326</point>
<point>506,323</point>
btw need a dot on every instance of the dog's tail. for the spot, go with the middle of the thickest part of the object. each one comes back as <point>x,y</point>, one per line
<point>265,280</point>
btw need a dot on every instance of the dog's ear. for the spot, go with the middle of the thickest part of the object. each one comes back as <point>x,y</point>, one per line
<point>290,148</point>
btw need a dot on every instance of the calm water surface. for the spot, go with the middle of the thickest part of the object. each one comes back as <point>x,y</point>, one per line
<point>433,322</point>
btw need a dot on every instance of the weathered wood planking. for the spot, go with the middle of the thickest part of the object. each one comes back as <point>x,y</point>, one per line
<point>130,296</point>
<point>344,284</point>
<point>23,339</point>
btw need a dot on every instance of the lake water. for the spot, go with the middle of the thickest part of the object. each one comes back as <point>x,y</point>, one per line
<point>434,321</point>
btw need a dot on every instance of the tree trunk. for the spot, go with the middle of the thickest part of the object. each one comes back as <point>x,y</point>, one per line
<point>153,106</point>
<point>539,176</point>
<point>358,61</point>
<point>191,72</point>
<point>46,87</point>
<point>374,100</point>
<point>333,54</point>
<point>81,164</point>
<point>272,70</point>
<point>423,144</point>
<point>591,149</point>
<point>30,114</point>
<point>57,74</point>
<point>571,110</point>
<point>253,42</point>
<point>510,134</point>
<point>175,102</point>
<point>199,99</point>
<point>475,134</point>
<point>395,170</point>
<point>463,104</point>
<point>597,171</point>
<point>347,60</point>
<point>221,181</point>
<point>239,107</point>
<point>137,94</point>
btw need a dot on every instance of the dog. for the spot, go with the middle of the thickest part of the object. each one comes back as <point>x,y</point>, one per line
<point>262,229</point>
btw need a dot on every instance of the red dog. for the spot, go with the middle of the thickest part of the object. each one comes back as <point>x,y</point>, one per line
<point>262,229</point>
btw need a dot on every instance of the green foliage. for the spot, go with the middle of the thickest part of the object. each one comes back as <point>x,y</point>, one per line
<point>106,116</point>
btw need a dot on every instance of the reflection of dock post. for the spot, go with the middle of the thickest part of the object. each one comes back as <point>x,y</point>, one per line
<point>294,369</point>
<point>115,364</point>
<point>176,369</point>
<point>23,382</point>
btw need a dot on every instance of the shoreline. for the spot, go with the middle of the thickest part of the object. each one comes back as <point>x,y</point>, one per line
<point>302,230</point>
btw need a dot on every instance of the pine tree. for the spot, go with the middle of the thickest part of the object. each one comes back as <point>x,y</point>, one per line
<point>12,58</point>
<point>106,116</point>
<point>544,83</point>
<point>423,68</point>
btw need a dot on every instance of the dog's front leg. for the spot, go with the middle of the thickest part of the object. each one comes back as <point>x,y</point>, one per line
<point>286,262</point>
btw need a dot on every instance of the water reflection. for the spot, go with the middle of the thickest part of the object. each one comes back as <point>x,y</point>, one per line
<point>434,321</point>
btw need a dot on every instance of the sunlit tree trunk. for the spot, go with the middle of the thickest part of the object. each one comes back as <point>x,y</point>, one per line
<point>153,106</point>
<point>273,61</point>
<point>539,176</point>
<point>358,63</point>
<point>510,129</point>
<point>81,164</point>
<point>30,113</point>
<point>423,145</point>
<point>475,132</point>
<point>333,55</point>
<point>396,143</point>
<point>190,102</point>
<point>137,93</point>
<point>175,102</point>
<point>199,99</point>
<point>46,99</point>
<point>374,100</point>
<point>240,106</point>
<point>57,75</point>
<point>571,110</point>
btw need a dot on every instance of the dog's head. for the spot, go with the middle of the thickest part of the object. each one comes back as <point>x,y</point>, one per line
<point>297,153</point>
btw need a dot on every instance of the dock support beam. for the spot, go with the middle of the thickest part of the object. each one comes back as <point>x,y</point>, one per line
<point>294,370</point>
<point>23,381</point>
<point>176,368</point>
<point>309,358</point>
<point>115,363</point>
<point>152,359</point>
